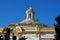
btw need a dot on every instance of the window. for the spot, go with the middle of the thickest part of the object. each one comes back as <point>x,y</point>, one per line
<point>29,15</point>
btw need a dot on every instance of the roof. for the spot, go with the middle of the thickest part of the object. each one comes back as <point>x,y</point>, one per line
<point>30,22</point>
<point>1,29</point>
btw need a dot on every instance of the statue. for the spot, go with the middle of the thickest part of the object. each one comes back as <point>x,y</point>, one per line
<point>14,37</point>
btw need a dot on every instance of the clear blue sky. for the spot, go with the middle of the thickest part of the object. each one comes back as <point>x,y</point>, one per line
<point>13,11</point>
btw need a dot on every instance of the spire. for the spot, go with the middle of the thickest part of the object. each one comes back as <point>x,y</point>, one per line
<point>30,8</point>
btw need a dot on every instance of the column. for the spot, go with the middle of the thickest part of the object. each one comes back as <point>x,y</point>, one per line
<point>11,38</point>
<point>17,38</point>
<point>3,37</point>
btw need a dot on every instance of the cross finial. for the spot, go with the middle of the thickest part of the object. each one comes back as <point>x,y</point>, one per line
<point>30,7</point>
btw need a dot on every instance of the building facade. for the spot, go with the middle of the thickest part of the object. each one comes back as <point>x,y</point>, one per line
<point>31,29</point>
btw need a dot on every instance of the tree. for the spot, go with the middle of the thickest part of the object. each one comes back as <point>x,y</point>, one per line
<point>8,31</point>
<point>7,35</point>
<point>57,28</point>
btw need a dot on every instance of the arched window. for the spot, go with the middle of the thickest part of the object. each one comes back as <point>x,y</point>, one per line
<point>29,15</point>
